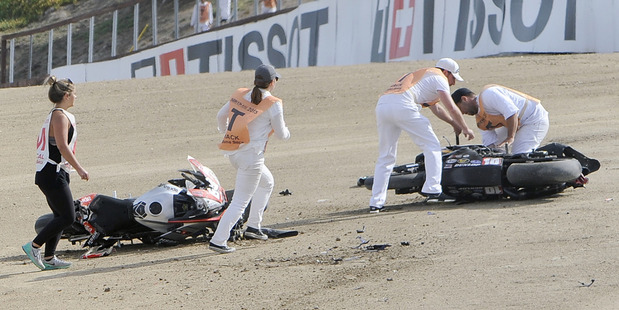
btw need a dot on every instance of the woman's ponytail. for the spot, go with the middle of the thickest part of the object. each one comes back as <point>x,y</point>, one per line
<point>256,95</point>
<point>58,88</point>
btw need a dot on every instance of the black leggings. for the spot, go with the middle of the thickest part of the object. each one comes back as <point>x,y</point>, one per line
<point>60,200</point>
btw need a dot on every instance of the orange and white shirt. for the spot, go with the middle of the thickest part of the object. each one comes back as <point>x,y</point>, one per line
<point>419,88</point>
<point>249,125</point>
<point>498,103</point>
<point>202,16</point>
<point>268,6</point>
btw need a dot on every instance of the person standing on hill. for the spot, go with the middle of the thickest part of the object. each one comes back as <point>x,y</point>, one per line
<point>55,159</point>
<point>268,6</point>
<point>505,117</point>
<point>223,9</point>
<point>398,110</point>
<point>248,119</point>
<point>202,17</point>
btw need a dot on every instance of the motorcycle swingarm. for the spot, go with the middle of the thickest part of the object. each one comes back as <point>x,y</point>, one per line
<point>78,238</point>
<point>181,233</point>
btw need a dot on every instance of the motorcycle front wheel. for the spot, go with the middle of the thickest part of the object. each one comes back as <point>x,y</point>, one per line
<point>406,182</point>
<point>236,233</point>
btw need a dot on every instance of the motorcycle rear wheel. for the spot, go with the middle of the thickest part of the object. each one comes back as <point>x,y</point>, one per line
<point>74,230</point>
<point>542,173</point>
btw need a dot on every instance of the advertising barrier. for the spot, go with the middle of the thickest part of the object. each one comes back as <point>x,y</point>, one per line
<point>349,32</point>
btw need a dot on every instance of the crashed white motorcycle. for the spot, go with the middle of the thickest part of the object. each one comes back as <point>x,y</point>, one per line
<point>185,208</point>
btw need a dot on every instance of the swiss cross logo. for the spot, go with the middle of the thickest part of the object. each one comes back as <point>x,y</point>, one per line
<point>401,28</point>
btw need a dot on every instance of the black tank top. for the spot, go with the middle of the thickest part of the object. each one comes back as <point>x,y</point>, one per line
<point>48,177</point>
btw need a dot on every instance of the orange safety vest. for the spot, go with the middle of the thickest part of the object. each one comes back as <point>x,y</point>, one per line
<point>204,12</point>
<point>410,79</point>
<point>487,121</point>
<point>241,113</point>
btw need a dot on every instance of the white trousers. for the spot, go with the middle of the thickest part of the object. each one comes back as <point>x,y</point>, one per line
<point>224,9</point>
<point>527,138</point>
<point>266,9</point>
<point>254,182</point>
<point>203,27</point>
<point>392,119</point>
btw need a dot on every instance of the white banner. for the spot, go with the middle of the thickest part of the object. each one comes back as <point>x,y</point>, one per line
<point>348,32</point>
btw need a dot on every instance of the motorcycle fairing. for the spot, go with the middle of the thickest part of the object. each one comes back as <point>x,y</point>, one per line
<point>279,233</point>
<point>83,207</point>
<point>212,198</point>
<point>589,165</point>
<point>186,209</point>
<point>148,208</point>
<point>196,219</point>
<point>214,188</point>
<point>465,168</point>
<point>86,200</point>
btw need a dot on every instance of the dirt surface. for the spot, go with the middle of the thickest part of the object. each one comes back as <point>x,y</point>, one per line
<point>135,134</point>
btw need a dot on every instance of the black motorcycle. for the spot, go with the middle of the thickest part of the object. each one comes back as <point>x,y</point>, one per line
<point>477,172</point>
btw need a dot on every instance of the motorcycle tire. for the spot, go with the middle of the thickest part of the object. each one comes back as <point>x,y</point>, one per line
<point>245,216</point>
<point>398,181</point>
<point>544,172</point>
<point>42,221</point>
<point>73,230</point>
<point>236,233</point>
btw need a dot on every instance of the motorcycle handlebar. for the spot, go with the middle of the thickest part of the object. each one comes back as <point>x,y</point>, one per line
<point>193,180</point>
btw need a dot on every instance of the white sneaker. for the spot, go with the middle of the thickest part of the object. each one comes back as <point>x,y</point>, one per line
<point>374,209</point>
<point>253,233</point>
<point>34,255</point>
<point>56,263</point>
<point>223,249</point>
<point>440,197</point>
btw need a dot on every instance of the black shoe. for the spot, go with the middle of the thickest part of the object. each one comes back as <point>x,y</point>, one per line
<point>440,197</point>
<point>253,233</point>
<point>374,209</point>
<point>223,249</point>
